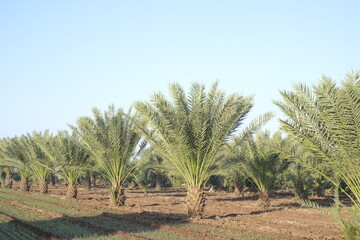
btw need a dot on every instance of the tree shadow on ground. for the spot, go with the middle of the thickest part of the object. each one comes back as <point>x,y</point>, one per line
<point>67,227</point>
<point>237,199</point>
<point>245,214</point>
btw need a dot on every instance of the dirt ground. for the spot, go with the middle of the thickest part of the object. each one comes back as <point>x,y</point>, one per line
<point>285,218</point>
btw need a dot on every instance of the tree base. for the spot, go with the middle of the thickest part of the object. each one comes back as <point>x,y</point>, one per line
<point>24,184</point>
<point>118,196</point>
<point>8,181</point>
<point>71,191</point>
<point>264,200</point>
<point>195,202</point>
<point>88,183</point>
<point>43,186</point>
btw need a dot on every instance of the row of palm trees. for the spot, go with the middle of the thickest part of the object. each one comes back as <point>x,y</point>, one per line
<point>197,135</point>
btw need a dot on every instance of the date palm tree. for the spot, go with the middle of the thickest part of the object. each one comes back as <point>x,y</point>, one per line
<point>191,131</point>
<point>233,169</point>
<point>67,154</point>
<point>39,163</point>
<point>263,164</point>
<point>112,140</point>
<point>151,161</point>
<point>326,120</point>
<point>13,156</point>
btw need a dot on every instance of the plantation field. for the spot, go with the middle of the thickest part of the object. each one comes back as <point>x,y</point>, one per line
<point>156,215</point>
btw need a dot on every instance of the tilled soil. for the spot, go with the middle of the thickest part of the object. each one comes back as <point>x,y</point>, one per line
<point>284,218</point>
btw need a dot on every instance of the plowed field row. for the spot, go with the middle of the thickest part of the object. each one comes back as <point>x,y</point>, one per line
<point>166,228</point>
<point>64,217</point>
<point>35,230</point>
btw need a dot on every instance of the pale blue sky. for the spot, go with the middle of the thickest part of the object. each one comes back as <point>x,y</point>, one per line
<point>58,59</point>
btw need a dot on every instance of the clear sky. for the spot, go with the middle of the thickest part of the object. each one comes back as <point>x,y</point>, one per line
<point>58,59</point>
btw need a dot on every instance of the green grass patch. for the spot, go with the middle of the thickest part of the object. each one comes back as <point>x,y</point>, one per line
<point>8,231</point>
<point>67,230</point>
<point>23,199</point>
<point>58,227</point>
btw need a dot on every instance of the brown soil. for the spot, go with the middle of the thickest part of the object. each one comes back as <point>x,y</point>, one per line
<point>128,217</point>
<point>285,217</point>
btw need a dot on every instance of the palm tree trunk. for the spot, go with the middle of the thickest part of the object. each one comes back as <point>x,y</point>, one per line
<point>195,202</point>
<point>71,191</point>
<point>93,180</point>
<point>239,189</point>
<point>9,180</point>
<point>88,182</point>
<point>117,195</point>
<point>264,199</point>
<point>53,179</point>
<point>24,184</point>
<point>158,182</point>
<point>43,186</point>
<point>300,192</point>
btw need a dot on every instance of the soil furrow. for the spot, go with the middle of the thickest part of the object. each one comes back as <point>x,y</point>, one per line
<point>73,220</point>
<point>104,230</point>
<point>31,228</point>
<point>165,228</point>
<point>39,210</point>
<point>168,228</point>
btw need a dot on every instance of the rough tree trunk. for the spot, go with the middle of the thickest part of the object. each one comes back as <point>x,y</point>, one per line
<point>53,179</point>
<point>264,199</point>
<point>71,191</point>
<point>195,202</point>
<point>9,180</point>
<point>301,193</point>
<point>24,184</point>
<point>43,186</point>
<point>158,182</point>
<point>88,183</point>
<point>239,190</point>
<point>93,181</point>
<point>118,196</point>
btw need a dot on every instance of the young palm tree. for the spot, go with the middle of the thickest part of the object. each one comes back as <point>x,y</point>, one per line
<point>262,164</point>
<point>191,131</point>
<point>13,156</point>
<point>69,156</point>
<point>232,169</point>
<point>152,161</point>
<point>38,161</point>
<point>326,120</point>
<point>111,139</point>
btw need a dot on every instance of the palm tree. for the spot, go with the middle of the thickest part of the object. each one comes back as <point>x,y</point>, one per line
<point>232,168</point>
<point>152,161</point>
<point>112,140</point>
<point>39,163</point>
<point>13,156</point>
<point>326,120</point>
<point>191,131</point>
<point>67,154</point>
<point>263,164</point>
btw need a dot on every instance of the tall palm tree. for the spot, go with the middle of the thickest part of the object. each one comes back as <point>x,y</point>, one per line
<point>67,154</point>
<point>112,140</point>
<point>191,131</point>
<point>326,120</point>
